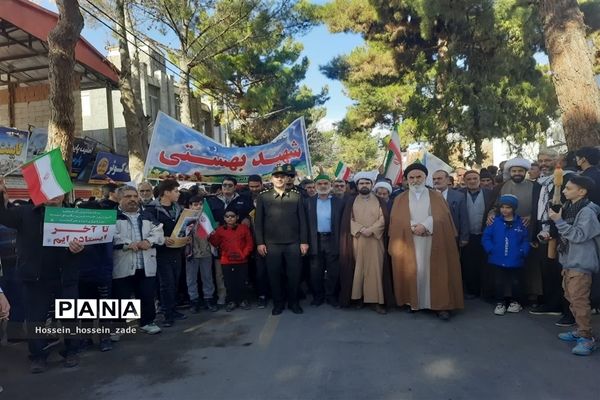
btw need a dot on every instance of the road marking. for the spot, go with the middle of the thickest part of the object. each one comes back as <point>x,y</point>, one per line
<point>268,331</point>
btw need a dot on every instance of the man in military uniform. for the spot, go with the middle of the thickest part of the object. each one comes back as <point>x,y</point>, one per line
<point>282,237</point>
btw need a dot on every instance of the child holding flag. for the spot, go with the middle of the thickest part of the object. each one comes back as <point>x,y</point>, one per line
<point>235,245</point>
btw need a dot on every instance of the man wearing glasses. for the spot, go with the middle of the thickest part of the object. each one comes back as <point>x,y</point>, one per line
<point>230,200</point>
<point>282,237</point>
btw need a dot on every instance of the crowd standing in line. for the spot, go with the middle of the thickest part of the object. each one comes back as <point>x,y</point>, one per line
<point>496,234</point>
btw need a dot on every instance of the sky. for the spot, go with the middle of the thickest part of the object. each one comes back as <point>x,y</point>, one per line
<point>320,47</point>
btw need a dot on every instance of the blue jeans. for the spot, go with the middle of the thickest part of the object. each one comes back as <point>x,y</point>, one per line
<point>168,270</point>
<point>204,265</point>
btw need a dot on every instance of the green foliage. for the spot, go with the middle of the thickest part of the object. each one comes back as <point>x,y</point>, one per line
<point>451,72</point>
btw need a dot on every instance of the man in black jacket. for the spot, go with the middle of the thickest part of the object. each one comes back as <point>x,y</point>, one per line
<point>282,236</point>
<point>169,260</point>
<point>324,213</point>
<point>47,273</point>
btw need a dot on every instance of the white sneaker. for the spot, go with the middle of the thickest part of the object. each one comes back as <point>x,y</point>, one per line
<point>500,309</point>
<point>514,307</point>
<point>151,329</point>
<point>114,337</point>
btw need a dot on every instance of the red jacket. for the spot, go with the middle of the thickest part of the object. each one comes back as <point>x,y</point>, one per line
<point>235,244</point>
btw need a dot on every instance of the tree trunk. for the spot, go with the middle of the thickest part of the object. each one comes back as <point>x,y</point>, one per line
<point>137,135</point>
<point>572,71</point>
<point>136,70</point>
<point>61,56</point>
<point>441,145</point>
<point>185,93</point>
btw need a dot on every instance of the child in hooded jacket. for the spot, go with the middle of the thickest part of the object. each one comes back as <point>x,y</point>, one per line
<point>506,241</point>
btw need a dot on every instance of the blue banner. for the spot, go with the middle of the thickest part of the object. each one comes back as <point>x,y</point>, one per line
<point>110,168</point>
<point>178,151</point>
<point>13,149</point>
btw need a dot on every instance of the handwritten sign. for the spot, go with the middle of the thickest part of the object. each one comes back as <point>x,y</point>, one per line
<point>180,152</point>
<point>110,168</point>
<point>13,149</point>
<point>86,226</point>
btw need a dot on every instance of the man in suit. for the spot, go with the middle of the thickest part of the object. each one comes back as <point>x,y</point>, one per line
<point>324,212</point>
<point>473,258</point>
<point>456,203</point>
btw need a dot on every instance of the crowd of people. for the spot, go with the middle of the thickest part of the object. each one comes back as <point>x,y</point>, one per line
<point>495,233</point>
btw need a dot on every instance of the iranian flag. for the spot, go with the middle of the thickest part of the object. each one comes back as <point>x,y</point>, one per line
<point>393,162</point>
<point>342,171</point>
<point>206,222</point>
<point>47,177</point>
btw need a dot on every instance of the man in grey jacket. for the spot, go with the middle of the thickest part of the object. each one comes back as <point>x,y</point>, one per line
<point>134,272</point>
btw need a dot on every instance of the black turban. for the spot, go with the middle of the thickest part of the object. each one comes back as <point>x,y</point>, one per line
<point>414,166</point>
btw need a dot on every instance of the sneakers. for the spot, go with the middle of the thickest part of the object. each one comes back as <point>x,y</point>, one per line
<point>584,347</point>
<point>543,310</point>
<point>71,360</point>
<point>230,307</point>
<point>569,336</point>
<point>196,306</point>
<point>262,302</point>
<point>566,321</point>
<point>38,366</point>
<point>151,329</point>
<point>514,307</point>
<point>244,305</point>
<point>500,309</point>
<point>105,345</point>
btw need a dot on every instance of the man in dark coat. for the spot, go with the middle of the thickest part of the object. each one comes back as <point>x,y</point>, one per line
<point>324,213</point>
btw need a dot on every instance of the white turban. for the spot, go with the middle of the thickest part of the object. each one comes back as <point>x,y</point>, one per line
<point>517,162</point>
<point>369,175</point>
<point>383,184</point>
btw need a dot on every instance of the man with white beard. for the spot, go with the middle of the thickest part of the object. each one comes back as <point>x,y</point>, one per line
<point>324,212</point>
<point>425,260</point>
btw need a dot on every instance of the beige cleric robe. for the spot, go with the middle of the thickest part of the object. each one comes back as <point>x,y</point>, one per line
<point>368,250</point>
<point>426,270</point>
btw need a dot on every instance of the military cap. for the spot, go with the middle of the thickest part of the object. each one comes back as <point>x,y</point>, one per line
<point>289,169</point>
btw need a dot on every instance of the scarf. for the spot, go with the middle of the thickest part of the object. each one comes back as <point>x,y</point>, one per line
<point>569,213</point>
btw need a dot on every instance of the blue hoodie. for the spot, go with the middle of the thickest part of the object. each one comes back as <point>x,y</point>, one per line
<point>506,247</point>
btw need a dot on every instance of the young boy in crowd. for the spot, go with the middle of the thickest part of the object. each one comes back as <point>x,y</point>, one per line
<point>578,225</point>
<point>235,244</point>
<point>506,242</point>
<point>199,258</point>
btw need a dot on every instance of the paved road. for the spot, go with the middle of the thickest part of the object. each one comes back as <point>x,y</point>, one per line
<point>324,354</point>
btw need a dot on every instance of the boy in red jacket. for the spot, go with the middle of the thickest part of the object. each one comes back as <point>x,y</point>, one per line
<point>235,245</point>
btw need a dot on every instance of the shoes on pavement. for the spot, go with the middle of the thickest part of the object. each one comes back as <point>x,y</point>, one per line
<point>316,302</point>
<point>443,315</point>
<point>38,366</point>
<point>584,346</point>
<point>379,309</point>
<point>231,306</point>
<point>183,305</point>
<point>177,316</point>
<point>262,302</point>
<point>196,306</point>
<point>244,305</point>
<point>277,310</point>
<point>514,307</point>
<point>565,321</point>
<point>296,309</point>
<point>333,302</point>
<point>71,360</point>
<point>105,345</point>
<point>167,323</point>
<point>569,336</point>
<point>500,309</point>
<point>543,310</point>
<point>151,329</point>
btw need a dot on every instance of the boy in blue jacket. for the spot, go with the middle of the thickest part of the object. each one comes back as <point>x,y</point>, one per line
<point>578,225</point>
<point>506,242</point>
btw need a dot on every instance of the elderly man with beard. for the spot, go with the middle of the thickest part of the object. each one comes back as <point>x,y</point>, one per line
<point>528,193</point>
<point>363,278</point>
<point>425,260</point>
<point>324,212</point>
